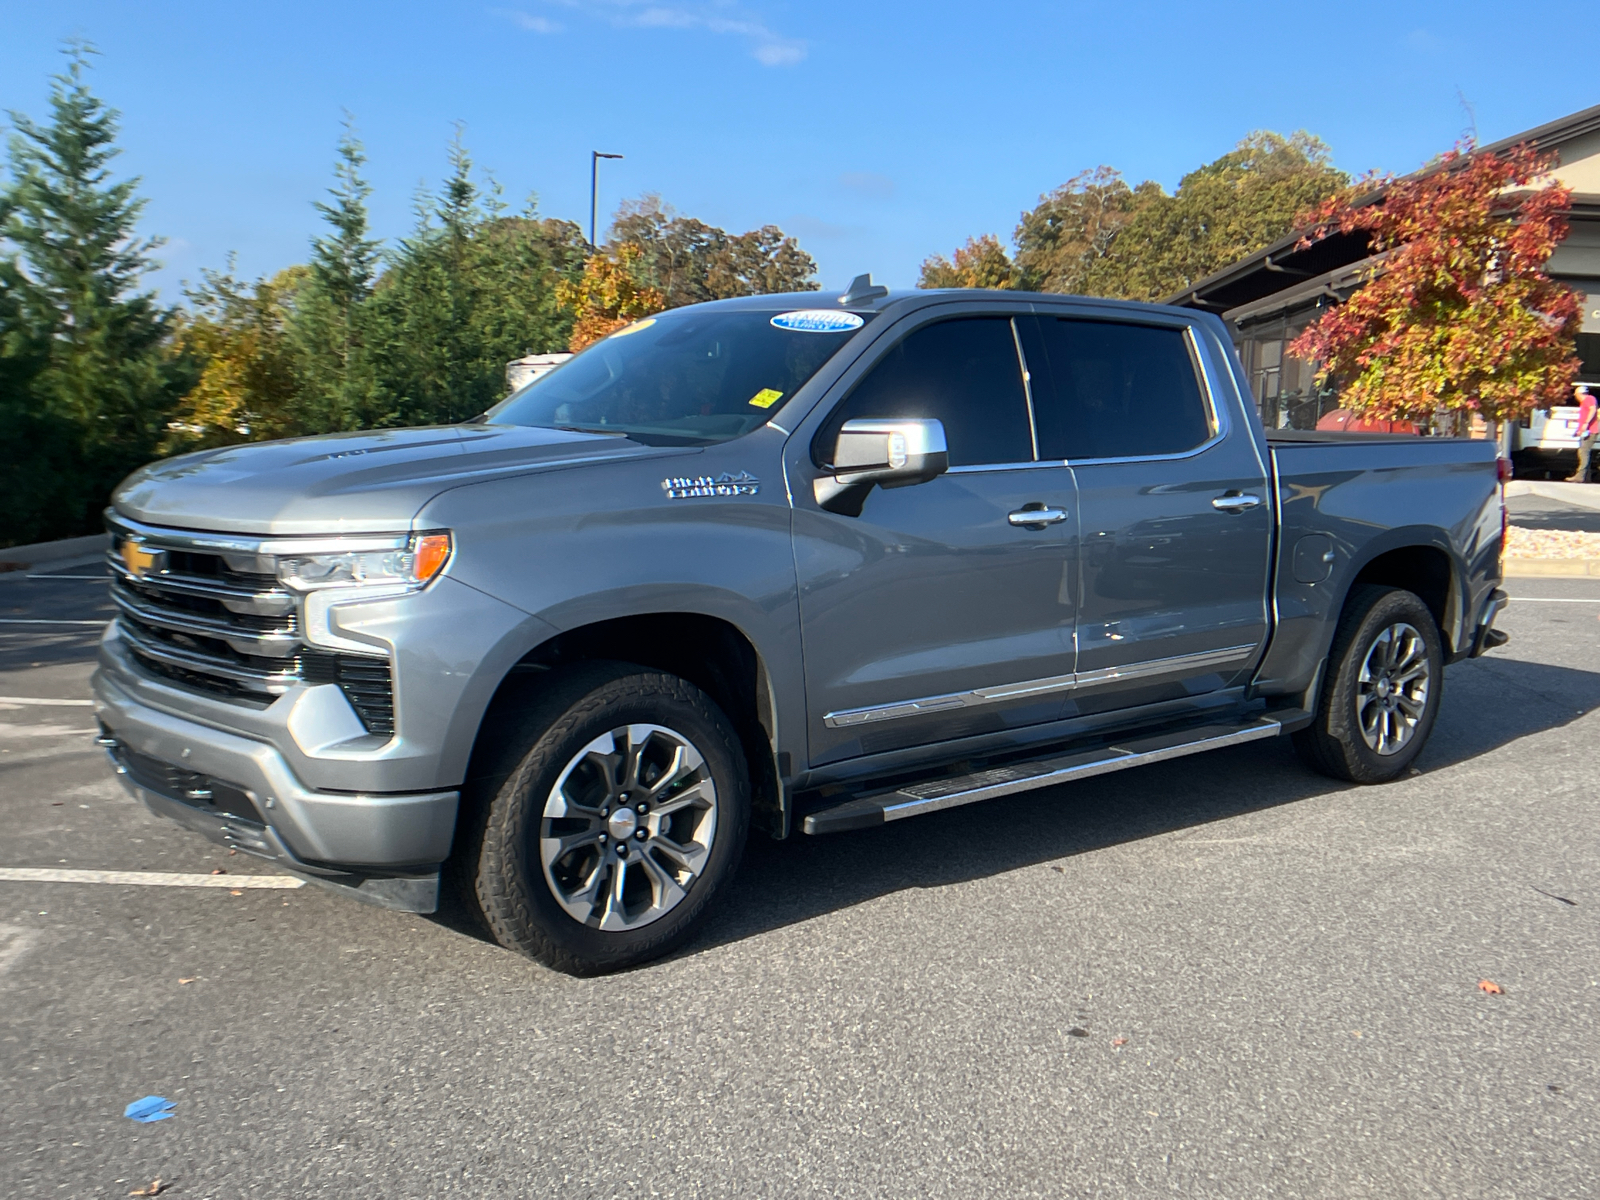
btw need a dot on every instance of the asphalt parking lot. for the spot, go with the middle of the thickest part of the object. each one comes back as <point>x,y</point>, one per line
<point>1215,977</point>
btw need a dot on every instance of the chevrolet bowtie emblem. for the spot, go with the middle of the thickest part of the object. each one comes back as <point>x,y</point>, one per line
<point>141,562</point>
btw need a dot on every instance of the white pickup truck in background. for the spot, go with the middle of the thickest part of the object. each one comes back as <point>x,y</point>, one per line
<point>1547,446</point>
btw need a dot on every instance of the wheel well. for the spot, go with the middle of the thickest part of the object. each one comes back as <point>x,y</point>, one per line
<point>1424,570</point>
<point>710,653</point>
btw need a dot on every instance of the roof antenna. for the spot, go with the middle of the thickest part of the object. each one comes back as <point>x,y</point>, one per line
<point>862,289</point>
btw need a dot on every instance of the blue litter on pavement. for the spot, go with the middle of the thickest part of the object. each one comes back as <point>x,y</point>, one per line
<point>151,1108</point>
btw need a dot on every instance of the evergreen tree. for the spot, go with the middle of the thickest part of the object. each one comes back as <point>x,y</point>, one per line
<point>468,291</point>
<point>103,379</point>
<point>331,317</point>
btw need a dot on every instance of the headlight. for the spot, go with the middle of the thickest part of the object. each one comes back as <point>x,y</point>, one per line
<point>408,565</point>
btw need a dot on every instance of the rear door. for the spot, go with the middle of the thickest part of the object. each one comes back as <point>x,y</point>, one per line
<point>1174,521</point>
<point>934,614</point>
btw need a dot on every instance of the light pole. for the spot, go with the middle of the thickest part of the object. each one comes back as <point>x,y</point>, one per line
<point>594,191</point>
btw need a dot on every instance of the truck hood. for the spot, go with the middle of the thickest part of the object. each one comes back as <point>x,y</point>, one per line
<point>372,482</point>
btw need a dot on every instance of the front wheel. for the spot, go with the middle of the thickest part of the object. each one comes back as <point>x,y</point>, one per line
<point>1381,696</point>
<point>623,819</point>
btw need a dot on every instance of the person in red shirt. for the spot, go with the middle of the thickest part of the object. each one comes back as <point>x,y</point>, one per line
<point>1588,427</point>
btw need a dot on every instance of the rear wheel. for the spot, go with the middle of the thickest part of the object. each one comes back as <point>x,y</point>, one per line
<point>1381,695</point>
<point>621,822</point>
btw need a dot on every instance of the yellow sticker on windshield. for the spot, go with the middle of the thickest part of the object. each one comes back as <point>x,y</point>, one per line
<point>765,398</point>
<point>634,328</point>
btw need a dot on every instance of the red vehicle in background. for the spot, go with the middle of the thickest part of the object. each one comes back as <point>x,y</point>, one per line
<point>1344,420</point>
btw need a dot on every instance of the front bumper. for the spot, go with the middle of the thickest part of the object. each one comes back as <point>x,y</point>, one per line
<point>386,847</point>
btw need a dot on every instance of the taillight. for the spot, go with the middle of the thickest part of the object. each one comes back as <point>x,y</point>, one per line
<point>1502,469</point>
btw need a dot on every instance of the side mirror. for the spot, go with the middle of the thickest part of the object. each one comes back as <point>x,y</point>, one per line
<point>887,453</point>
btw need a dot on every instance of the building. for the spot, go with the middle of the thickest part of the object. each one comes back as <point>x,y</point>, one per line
<point>1271,296</point>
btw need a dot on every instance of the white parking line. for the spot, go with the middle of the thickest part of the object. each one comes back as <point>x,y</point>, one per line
<point>42,621</point>
<point>146,878</point>
<point>1555,599</point>
<point>46,700</point>
<point>8,729</point>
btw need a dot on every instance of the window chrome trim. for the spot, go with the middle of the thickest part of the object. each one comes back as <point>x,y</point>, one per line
<point>1001,693</point>
<point>975,468</point>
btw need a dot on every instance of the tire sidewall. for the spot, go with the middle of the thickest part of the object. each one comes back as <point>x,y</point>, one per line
<point>523,912</point>
<point>1383,609</point>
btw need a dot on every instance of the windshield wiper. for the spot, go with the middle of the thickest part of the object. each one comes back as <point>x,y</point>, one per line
<point>602,429</point>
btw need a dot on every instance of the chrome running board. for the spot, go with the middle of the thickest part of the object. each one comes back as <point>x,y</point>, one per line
<point>914,799</point>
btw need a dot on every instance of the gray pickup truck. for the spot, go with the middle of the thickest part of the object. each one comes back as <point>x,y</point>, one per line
<point>798,562</point>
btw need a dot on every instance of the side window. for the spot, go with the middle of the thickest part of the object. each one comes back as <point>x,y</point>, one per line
<point>1109,389</point>
<point>963,372</point>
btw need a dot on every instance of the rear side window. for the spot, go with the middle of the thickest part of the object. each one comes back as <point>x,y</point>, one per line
<point>964,372</point>
<point>1108,389</point>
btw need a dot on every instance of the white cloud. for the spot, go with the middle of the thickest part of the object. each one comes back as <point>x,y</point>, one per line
<point>528,21</point>
<point>779,53</point>
<point>723,17</point>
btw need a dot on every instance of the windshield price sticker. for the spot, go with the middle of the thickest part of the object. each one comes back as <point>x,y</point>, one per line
<point>765,398</point>
<point>818,320</point>
<point>690,487</point>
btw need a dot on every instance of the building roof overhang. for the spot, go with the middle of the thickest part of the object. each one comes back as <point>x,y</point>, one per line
<point>1267,271</point>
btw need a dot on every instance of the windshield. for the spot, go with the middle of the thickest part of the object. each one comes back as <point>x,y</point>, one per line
<point>684,378</point>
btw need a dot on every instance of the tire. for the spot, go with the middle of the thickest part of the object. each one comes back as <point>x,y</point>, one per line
<point>1381,695</point>
<point>653,754</point>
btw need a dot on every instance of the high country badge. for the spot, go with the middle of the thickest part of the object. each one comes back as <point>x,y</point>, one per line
<point>687,487</point>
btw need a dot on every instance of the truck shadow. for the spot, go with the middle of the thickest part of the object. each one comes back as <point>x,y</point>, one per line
<point>1488,703</point>
<point>48,600</point>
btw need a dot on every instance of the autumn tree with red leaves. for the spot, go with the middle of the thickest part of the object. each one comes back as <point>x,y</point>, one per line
<point>1457,312</point>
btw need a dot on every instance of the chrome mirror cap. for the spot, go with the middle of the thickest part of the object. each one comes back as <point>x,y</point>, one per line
<point>886,452</point>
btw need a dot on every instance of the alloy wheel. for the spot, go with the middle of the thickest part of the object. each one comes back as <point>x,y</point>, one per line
<point>628,827</point>
<point>1392,688</point>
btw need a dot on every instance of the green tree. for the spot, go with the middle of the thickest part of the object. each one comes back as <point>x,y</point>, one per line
<point>331,320</point>
<point>104,378</point>
<point>468,291</point>
<point>690,262</point>
<point>1064,244</point>
<point>1225,210</point>
<point>1097,235</point>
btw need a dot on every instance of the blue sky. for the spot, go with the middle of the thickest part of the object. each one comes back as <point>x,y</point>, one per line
<point>877,132</point>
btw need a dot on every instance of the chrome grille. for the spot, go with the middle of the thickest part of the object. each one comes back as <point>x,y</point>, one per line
<point>201,619</point>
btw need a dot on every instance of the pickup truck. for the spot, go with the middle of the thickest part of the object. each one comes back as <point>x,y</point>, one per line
<point>789,562</point>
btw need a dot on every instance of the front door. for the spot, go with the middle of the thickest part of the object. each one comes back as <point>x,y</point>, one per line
<point>1174,522</point>
<point>935,614</point>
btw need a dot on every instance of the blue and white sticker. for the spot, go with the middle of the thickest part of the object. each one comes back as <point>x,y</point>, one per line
<point>818,320</point>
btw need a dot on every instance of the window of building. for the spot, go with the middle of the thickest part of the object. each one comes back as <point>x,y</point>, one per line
<point>1285,390</point>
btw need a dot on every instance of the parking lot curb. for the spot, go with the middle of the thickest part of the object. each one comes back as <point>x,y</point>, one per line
<point>22,558</point>
<point>1533,568</point>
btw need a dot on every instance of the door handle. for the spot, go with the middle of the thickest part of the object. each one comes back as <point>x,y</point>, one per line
<point>1039,517</point>
<point>1234,502</point>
